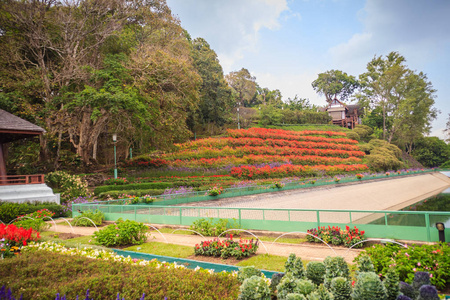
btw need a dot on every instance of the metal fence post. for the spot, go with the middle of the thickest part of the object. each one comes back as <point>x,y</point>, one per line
<point>427,224</point>
<point>318,218</point>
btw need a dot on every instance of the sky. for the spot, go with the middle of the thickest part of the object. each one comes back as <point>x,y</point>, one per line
<point>285,44</point>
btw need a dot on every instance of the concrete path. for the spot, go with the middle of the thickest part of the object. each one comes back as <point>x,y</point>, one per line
<point>316,252</point>
<point>388,194</point>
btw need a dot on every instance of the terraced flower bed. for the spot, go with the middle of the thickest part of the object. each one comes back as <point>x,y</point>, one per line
<point>294,153</point>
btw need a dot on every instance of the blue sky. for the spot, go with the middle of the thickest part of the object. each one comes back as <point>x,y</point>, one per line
<point>286,43</point>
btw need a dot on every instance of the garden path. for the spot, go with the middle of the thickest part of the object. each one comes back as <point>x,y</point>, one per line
<point>305,251</point>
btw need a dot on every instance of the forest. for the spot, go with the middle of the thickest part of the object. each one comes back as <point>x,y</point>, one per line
<point>86,69</point>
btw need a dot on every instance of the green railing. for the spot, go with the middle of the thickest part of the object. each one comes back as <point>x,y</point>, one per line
<point>174,199</point>
<point>404,225</point>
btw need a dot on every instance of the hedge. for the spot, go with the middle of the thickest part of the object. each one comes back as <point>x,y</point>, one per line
<point>9,211</point>
<point>139,193</point>
<point>133,186</point>
<point>41,275</point>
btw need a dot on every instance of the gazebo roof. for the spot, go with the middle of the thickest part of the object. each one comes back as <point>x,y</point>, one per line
<point>14,128</point>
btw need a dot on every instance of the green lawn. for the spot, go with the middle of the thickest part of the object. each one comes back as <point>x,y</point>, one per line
<point>261,261</point>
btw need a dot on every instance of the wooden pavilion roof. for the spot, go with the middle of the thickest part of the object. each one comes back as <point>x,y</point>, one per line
<point>14,128</point>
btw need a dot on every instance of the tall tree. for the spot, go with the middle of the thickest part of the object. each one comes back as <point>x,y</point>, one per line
<point>405,97</point>
<point>243,84</point>
<point>335,84</point>
<point>215,95</point>
<point>88,68</point>
<point>447,130</point>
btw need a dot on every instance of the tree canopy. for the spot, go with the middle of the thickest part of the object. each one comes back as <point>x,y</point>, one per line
<point>405,97</point>
<point>335,84</point>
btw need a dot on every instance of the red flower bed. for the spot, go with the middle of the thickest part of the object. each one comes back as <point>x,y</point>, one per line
<point>263,159</point>
<point>285,135</point>
<point>239,151</point>
<point>252,172</point>
<point>143,162</point>
<point>17,236</point>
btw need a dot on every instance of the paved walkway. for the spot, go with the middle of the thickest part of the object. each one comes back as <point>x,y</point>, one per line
<point>386,194</point>
<point>305,251</point>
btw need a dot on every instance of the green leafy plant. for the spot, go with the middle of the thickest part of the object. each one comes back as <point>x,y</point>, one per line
<point>115,181</point>
<point>70,186</point>
<point>315,271</point>
<point>391,283</point>
<point>368,286</point>
<point>365,264</point>
<point>321,293</point>
<point>247,272</point>
<point>277,185</point>
<point>294,266</point>
<point>434,259</point>
<point>122,233</point>
<point>215,191</point>
<point>10,211</point>
<point>96,216</point>
<point>335,267</point>
<point>255,288</point>
<point>341,288</point>
<point>275,280</point>
<point>35,220</point>
<point>209,227</point>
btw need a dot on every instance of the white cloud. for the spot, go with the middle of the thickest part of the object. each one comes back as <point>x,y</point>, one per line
<point>416,29</point>
<point>231,27</point>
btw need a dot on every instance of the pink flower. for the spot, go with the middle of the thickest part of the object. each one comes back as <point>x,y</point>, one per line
<point>431,275</point>
<point>418,264</point>
<point>414,269</point>
<point>406,253</point>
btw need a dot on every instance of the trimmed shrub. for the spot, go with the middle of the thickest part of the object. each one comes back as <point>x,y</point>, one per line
<point>365,264</point>
<point>363,131</point>
<point>96,216</point>
<point>286,286</point>
<point>407,290</point>
<point>247,272</point>
<point>70,186</point>
<point>133,186</point>
<point>428,292</point>
<point>122,233</point>
<point>341,288</point>
<point>391,283</point>
<point>137,193</point>
<point>295,296</point>
<point>208,227</point>
<point>294,265</point>
<point>315,271</point>
<point>304,287</point>
<point>275,280</point>
<point>368,286</point>
<point>254,287</point>
<point>321,293</point>
<point>9,211</point>
<point>420,278</point>
<point>353,135</point>
<point>335,267</point>
<point>70,275</point>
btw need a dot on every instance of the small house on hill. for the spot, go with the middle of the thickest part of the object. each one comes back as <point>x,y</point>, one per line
<point>20,188</point>
<point>344,115</point>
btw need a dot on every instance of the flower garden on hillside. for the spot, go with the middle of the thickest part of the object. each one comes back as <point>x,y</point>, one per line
<point>266,153</point>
